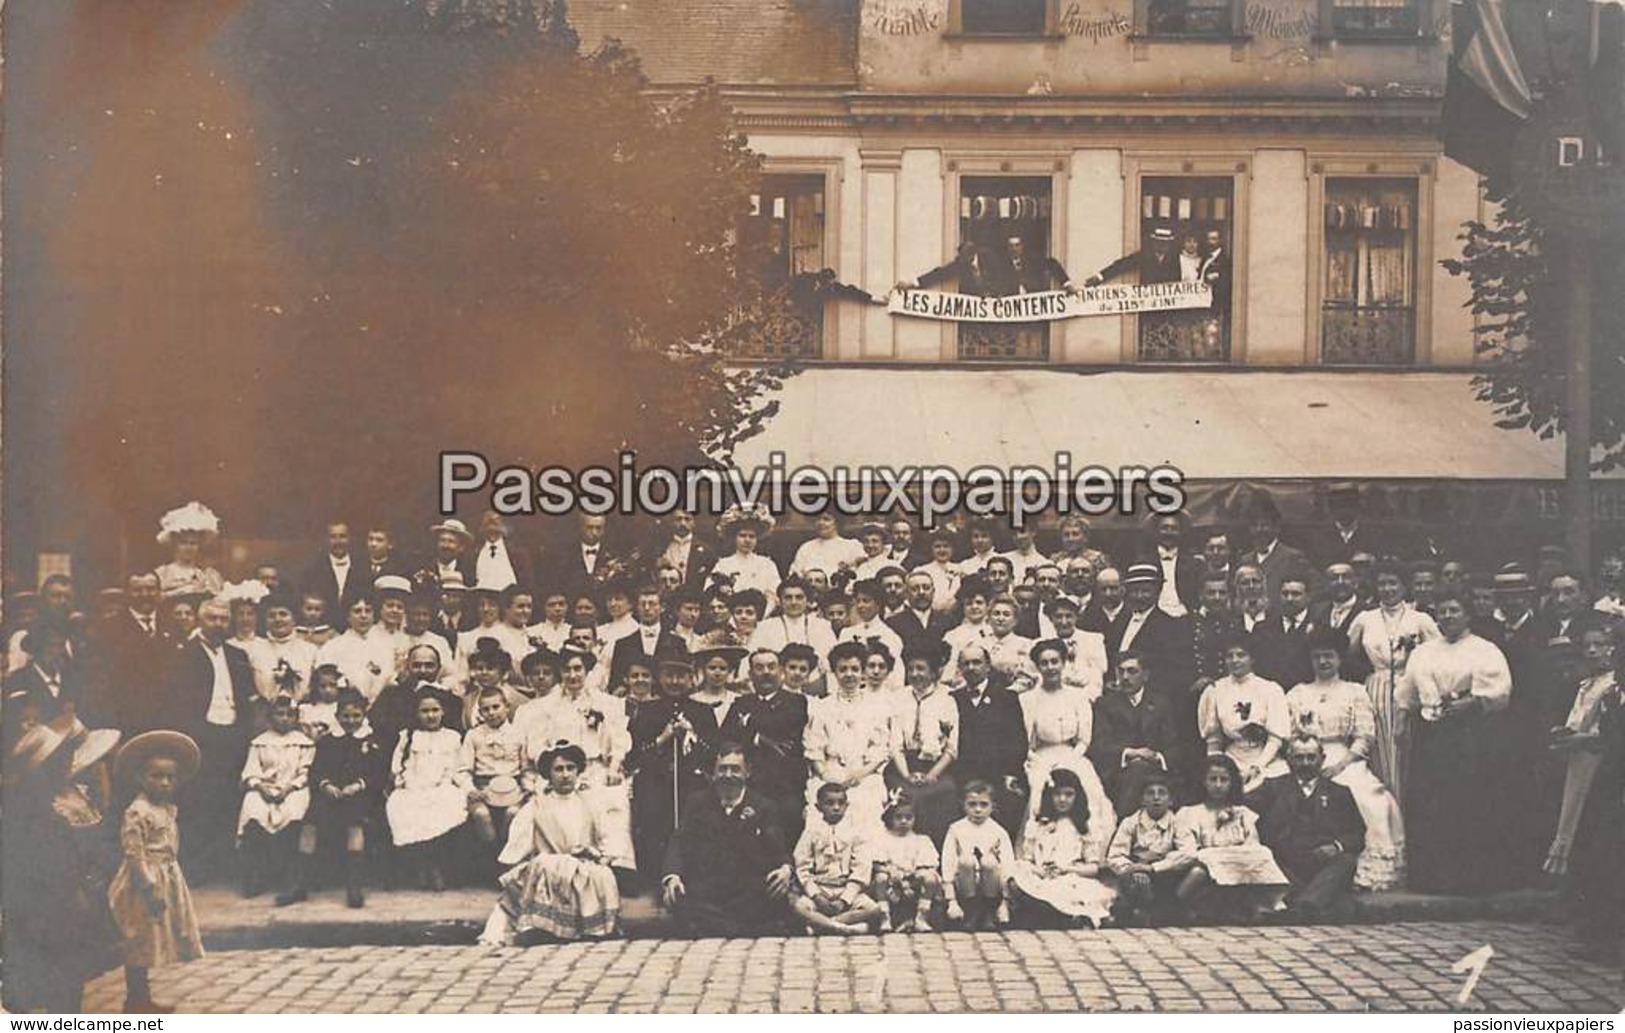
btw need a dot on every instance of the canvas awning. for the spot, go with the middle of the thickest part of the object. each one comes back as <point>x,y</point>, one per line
<point>1242,425</point>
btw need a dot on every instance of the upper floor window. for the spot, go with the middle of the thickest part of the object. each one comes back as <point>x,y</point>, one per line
<point>1218,18</point>
<point>1005,17</point>
<point>782,237</point>
<point>1186,234</point>
<point>1372,18</point>
<point>1004,249</point>
<point>1368,315</point>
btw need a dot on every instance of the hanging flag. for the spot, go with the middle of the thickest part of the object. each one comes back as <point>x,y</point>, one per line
<point>1486,94</point>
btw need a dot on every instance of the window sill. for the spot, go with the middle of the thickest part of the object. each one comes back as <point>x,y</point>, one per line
<point>1228,38</point>
<point>1380,39</point>
<point>1004,37</point>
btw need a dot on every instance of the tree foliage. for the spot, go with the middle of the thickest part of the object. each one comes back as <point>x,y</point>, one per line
<point>1521,301</point>
<point>279,254</point>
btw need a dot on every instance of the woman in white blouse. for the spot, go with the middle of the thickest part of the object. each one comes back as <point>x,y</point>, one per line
<point>1060,724</point>
<point>1245,717</point>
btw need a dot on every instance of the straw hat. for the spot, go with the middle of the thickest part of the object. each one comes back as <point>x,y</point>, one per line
<point>133,756</point>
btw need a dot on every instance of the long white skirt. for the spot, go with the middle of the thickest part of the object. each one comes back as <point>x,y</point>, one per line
<point>272,817</point>
<point>419,815</point>
<point>1382,863</point>
<point>1077,896</point>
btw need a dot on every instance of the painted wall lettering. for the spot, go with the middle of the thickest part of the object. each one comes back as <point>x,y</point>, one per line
<point>1094,25</point>
<point>1280,22</point>
<point>905,19</point>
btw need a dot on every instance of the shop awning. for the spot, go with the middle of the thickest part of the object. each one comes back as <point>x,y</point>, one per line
<point>1242,425</point>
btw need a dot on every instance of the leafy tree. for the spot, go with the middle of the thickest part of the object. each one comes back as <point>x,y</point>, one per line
<point>279,254</point>
<point>1522,306</point>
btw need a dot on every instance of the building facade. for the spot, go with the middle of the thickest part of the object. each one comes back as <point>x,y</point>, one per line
<point>1296,137</point>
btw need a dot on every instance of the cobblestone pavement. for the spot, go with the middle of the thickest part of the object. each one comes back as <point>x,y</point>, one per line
<point>1351,968</point>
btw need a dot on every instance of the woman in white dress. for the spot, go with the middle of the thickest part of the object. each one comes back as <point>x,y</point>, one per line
<point>430,797</point>
<point>186,530</point>
<point>563,853</point>
<point>1245,717</point>
<point>596,722</point>
<point>1388,635</point>
<point>848,741</point>
<point>1060,724</point>
<point>745,567</point>
<point>1061,858</point>
<point>1340,715</point>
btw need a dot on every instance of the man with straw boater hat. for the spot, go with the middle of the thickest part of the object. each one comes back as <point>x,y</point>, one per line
<point>57,931</point>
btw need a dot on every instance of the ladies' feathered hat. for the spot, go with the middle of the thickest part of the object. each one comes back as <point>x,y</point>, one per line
<point>194,517</point>
<point>746,518</point>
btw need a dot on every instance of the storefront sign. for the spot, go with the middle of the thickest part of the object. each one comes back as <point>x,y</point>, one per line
<point>1105,300</point>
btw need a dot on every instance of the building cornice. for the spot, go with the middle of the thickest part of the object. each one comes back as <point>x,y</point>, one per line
<point>823,109</point>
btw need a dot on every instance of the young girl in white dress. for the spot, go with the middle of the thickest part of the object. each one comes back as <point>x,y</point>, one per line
<point>1061,859</point>
<point>907,873</point>
<point>430,798</point>
<point>1231,872</point>
<point>563,852</point>
<point>276,794</point>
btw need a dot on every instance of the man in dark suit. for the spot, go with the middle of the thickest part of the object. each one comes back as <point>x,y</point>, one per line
<point>727,869</point>
<point>992,738</point>
<point>1348,533</point>
<point>1181,568</point>
<point>1280,644</point>
<point>381,559</point>
<point>1215,272</point>
<point>1314,829</point>
<point>1163,640</point>
<point>213,701</point>
<point>771,725</point>
<point>651,639</point>
<point>1156,263</point>
<point>917,623</point>
<point>336,576</point>
<point>1271,555</point>
<point>130,662</point>
<point>676,544</point>
<point>1023,272</point>
<point>45,685</point>
<point>585,564</point>
<point>1134,736</point>
<point>453,545</point>
<point>1107,611</point>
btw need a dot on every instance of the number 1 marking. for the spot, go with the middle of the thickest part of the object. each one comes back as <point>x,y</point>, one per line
<point>1473,964</point>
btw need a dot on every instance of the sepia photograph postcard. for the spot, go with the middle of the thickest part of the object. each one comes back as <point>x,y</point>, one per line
<point>812,507</point>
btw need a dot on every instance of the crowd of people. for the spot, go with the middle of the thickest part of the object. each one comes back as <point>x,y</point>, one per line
<point>900,730</point>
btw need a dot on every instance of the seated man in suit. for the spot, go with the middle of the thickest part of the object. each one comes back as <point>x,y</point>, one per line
<point>728,869</point>
<point>1314,829</point>
<point>1135,736</point>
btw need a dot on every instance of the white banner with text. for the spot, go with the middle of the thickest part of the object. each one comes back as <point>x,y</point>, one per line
<point>1104,300</point>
